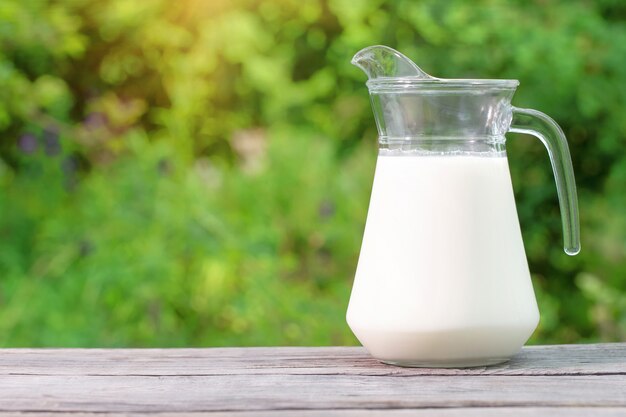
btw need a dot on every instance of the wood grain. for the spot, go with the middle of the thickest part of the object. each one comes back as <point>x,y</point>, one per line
<point>547,380</point>
<point>594,359</point>
<point>425,412</point>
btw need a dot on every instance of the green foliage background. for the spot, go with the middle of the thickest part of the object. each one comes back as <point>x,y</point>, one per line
<point>197,172</point>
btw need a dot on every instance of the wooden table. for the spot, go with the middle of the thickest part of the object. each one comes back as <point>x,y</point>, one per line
<point>566,380</point>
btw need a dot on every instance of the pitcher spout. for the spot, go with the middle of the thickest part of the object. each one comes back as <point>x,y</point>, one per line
<point>381,61</point>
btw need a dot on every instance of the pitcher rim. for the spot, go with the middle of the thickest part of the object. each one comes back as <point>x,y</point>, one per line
<point>420,84</point>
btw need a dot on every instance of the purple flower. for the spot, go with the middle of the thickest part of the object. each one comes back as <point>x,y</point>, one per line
<point>28,143</point>
<point>51,143</point>
<point>327,209</point>
<point>69,165</point>
<point>95,120</point>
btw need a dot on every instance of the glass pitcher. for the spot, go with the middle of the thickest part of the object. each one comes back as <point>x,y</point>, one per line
<point>442,278</point>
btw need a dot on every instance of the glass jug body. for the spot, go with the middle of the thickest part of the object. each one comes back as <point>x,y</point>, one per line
<point>442,277</point>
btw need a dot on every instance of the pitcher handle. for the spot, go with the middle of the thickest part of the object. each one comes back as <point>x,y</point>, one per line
<point>533,122</point>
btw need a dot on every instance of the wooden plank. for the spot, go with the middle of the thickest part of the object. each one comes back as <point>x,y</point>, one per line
<point>430,412</point>
<point>598,359</point>
<point>447,412</point>
<point>36,393</point>
<point>548,380</point>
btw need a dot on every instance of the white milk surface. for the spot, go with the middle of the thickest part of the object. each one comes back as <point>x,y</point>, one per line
<point>442,277</point>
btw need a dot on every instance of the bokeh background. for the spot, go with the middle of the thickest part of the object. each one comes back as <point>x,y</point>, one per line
<point>197,172</point>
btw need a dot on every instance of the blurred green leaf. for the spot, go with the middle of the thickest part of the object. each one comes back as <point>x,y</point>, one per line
<point>197,173</point>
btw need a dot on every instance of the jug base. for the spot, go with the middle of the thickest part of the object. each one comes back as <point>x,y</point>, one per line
<point>455,363</point>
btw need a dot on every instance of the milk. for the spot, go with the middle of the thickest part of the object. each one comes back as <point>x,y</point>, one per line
<point>442,277</point>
